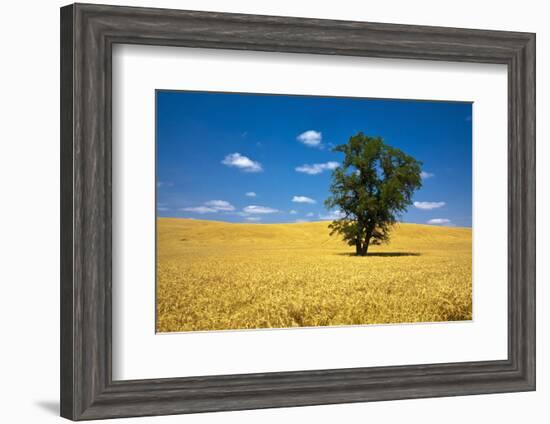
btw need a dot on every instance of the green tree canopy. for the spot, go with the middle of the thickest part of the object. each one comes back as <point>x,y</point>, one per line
<point>372,187</point>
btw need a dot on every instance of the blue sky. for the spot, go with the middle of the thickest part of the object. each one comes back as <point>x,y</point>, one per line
<point>267,158</point>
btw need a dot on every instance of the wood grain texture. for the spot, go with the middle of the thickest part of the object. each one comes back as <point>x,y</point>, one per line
<point>88,33</point>
<point>66,212</point>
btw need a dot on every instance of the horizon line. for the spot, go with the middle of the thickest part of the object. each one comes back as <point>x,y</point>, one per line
<point>300,222</point>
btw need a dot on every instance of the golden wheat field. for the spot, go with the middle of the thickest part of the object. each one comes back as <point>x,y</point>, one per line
<point>219,276</point>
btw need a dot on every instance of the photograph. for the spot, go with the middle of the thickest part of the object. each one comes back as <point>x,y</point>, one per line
<point>282,211</point>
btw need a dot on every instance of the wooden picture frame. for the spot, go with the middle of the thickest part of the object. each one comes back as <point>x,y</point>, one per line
<point>88,33</point>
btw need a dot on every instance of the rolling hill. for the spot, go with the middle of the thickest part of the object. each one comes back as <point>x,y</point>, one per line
<point>217,275</point>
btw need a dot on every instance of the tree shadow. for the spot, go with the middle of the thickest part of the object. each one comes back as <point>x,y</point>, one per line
<point>383,254</point>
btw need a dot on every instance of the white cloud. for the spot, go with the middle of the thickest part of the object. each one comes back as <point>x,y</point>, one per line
<point>425,175</point>
<point>164,184</point>
<point>212,206</point>
<point>253,218</point>
<point>242,162</point>
<point>300,221</point>
<point>254,209</point>
<point>250,194</point>
<point>293,212</point>
<point>439,221</point>
<point>220,205</point>
<point>427,206</point>
<point>331,216</point>
<point>310,214</point>
<point>310,138</point>
<point>303,199</point>
<point>163,209</point>
<point>200,209</point>
<point>317,168</point>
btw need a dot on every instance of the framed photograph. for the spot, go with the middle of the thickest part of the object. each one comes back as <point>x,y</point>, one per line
<point>263,212</point>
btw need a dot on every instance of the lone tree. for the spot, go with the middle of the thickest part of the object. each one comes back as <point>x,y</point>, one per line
<point>374,184</point>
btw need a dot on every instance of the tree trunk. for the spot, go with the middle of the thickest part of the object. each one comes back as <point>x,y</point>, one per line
<point>361,248</point>
<point>358,247</point>
<point>366,245</point>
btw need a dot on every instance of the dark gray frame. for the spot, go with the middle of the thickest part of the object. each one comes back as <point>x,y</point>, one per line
<point>88,33</point>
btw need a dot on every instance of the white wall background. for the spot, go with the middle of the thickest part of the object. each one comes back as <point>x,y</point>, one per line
<point>29,216</point>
